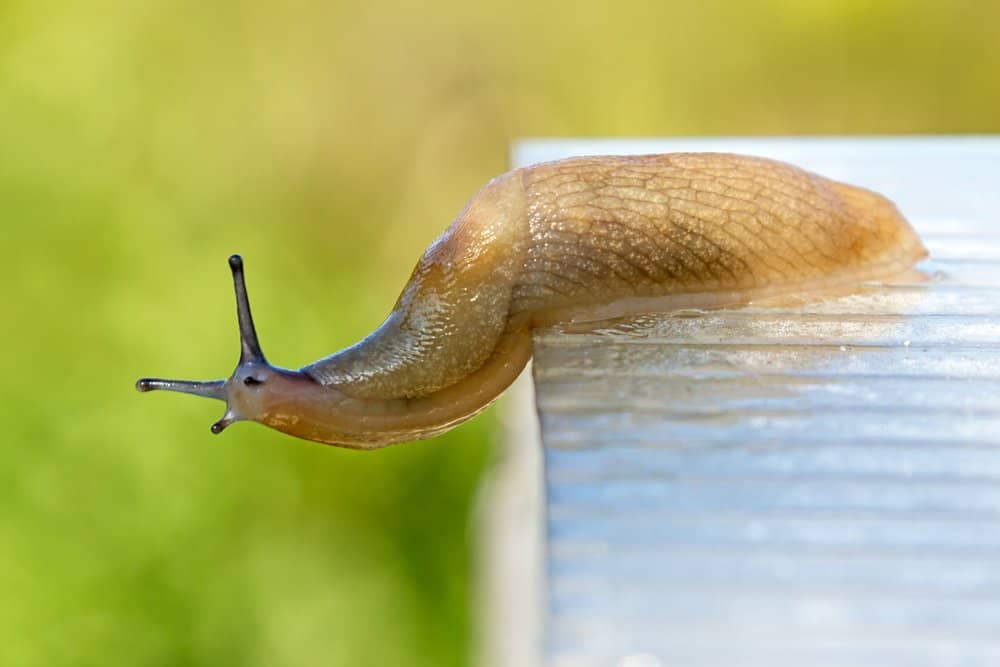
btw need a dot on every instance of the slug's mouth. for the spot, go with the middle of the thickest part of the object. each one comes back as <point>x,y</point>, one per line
<point>249,372</point>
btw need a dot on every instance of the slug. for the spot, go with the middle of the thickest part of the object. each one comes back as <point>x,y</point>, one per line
<point>578,240</point>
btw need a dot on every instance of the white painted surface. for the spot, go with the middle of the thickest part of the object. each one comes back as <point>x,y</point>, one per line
<point>807,485</point>
<point>511,540</point>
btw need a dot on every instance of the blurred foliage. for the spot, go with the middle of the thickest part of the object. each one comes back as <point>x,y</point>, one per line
<point>142,142</point>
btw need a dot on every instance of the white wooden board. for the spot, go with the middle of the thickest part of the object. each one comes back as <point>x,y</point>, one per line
<point>810,485</point>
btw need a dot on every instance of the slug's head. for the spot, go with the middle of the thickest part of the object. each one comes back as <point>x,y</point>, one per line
<point>256,388</point>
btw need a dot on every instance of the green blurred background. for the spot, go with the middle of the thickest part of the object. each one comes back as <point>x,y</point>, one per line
<point>143,142</point>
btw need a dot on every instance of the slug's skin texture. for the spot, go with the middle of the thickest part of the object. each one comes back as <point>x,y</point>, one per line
<point>583,239</point>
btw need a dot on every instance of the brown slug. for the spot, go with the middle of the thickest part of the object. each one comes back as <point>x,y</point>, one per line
<point>582,239</point>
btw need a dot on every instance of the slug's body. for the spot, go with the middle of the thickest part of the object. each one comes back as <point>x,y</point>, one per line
<point>583,239</point>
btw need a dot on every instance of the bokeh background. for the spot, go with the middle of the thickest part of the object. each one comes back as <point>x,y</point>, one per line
<point>143,142</point>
